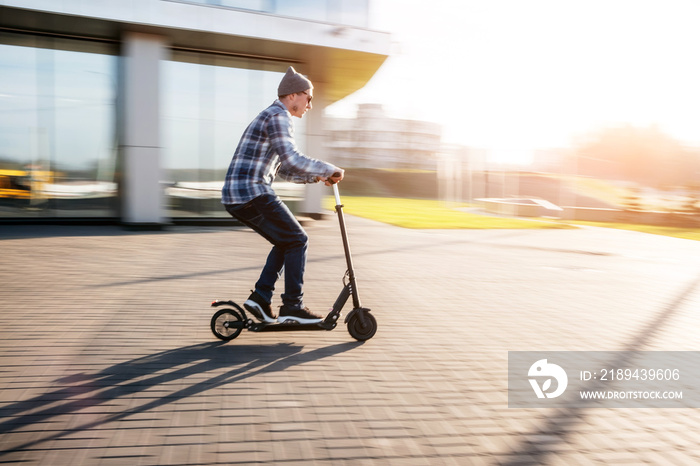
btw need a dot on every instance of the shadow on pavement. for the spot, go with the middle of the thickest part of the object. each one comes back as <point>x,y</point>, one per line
<point>328,257</point>
<point>537,445</point>
<point>81,391</point>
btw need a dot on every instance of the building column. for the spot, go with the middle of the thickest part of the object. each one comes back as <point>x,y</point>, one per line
<point>142,198</point>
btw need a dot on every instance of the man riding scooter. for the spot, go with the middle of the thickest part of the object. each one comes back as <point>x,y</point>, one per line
<point>267,149</point>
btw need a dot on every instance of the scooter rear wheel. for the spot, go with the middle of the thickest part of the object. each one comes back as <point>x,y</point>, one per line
<point>227,324</point>
<point>360,333</point>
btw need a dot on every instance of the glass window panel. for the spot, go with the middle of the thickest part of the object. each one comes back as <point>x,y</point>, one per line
<point>354,13</point>
<point>208,101</point>
<point>306,9</point>
<point>57,127</point>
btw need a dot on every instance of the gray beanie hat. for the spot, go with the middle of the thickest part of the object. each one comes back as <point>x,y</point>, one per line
<point>293,82</point>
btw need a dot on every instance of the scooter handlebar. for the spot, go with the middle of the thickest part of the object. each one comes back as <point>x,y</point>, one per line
<point>335,187</point>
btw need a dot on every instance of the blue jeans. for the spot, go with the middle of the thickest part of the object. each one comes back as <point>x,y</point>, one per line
<point>273,220</point>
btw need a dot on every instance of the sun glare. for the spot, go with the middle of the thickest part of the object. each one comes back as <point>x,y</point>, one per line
<point>513,77</point>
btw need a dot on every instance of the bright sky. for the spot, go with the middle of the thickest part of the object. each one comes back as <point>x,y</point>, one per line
<point>512,76</point>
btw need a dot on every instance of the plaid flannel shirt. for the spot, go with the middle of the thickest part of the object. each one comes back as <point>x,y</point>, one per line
<point>265,150</point>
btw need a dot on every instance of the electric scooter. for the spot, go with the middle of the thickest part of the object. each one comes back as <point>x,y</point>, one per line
<point>228,322</point>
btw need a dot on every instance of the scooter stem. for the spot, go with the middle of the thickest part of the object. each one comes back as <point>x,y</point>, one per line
<point>346,247</point>
<point>337,194</point>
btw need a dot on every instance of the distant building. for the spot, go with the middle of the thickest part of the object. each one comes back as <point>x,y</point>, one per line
<point>374,140</point>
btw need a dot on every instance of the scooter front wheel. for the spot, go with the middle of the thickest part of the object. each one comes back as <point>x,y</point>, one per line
<point>360,332</point>
<point>227,324</point>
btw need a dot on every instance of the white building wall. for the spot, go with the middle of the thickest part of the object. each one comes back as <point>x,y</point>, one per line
<point>142,195</point>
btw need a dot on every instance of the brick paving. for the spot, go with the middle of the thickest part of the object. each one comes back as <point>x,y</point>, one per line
<point>106,357</point>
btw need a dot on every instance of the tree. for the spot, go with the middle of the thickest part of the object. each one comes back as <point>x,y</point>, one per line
<point>643,155</point>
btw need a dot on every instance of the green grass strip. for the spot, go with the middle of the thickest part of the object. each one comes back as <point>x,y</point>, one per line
<point>430,214</point>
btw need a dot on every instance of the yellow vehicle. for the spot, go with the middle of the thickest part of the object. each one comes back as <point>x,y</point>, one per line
<point>28,183</point>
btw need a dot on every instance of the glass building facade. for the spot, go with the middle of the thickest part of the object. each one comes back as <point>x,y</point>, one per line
<point>58,147</point>
<point>57,127</point>
<point>131,111</point>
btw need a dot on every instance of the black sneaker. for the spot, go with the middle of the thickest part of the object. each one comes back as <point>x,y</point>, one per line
<point>302,316</point>
<point>260,308</point>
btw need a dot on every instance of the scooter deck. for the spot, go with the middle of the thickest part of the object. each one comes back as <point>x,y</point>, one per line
<point>282,327</point>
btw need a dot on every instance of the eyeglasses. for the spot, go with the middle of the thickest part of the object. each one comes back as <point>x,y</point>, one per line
<point>308,96</point>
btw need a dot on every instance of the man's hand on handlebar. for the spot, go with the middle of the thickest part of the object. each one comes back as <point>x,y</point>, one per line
<point>334,178</point>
